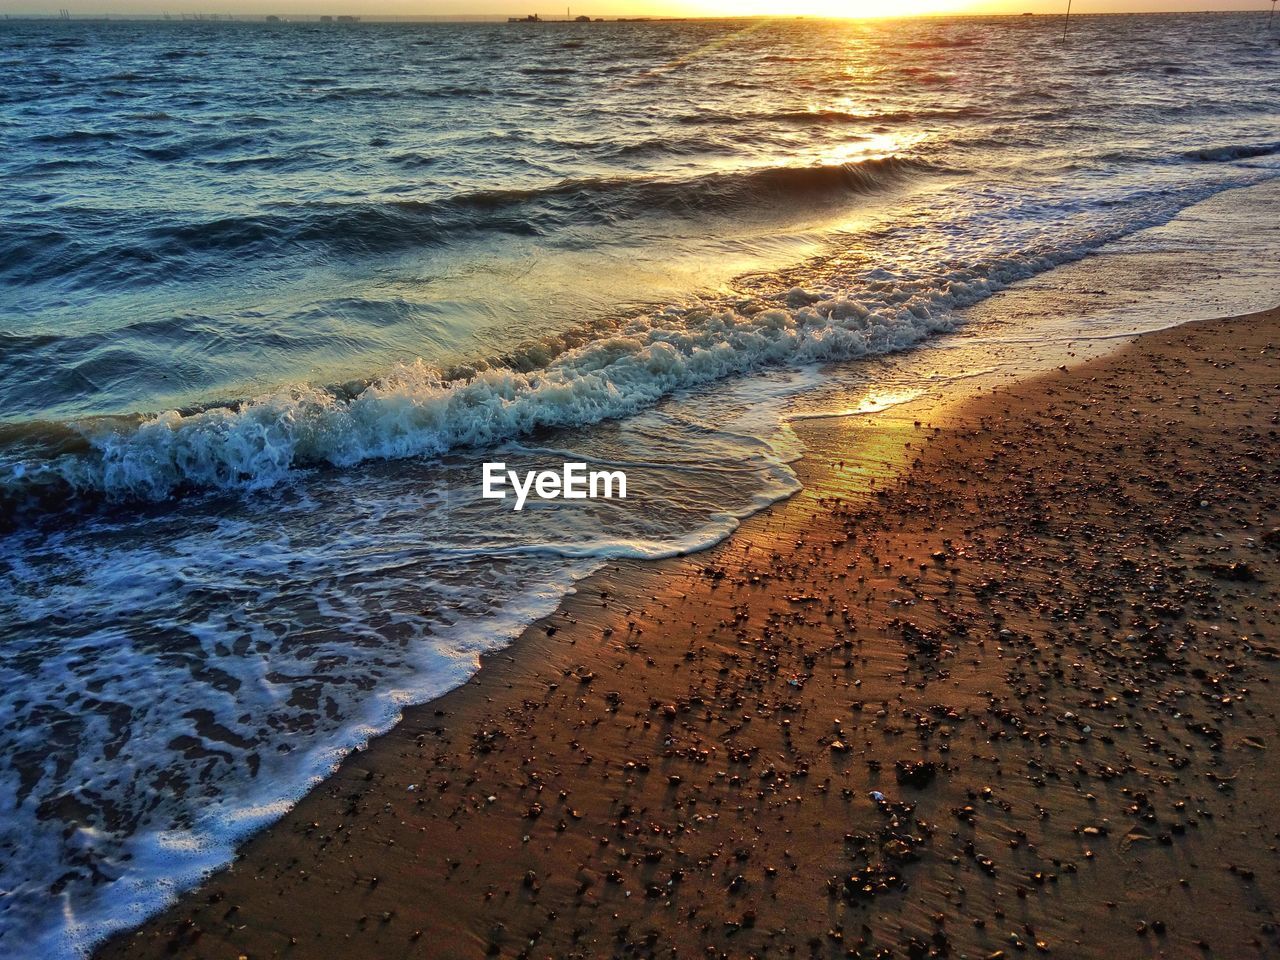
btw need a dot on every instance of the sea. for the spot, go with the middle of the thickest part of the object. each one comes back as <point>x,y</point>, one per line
<point>270,293</point>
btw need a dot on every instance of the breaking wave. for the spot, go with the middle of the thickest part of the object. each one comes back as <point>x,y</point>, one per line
<point>417,409</point>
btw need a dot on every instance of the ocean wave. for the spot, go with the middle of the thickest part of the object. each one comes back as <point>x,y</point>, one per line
<point>694,145</point>
<point>827,116</point>
<point>75,137</point>
<point>416,410</point>
<point>1156,155</point>
<point>939,43</point>
<point>32,252</point>
<point>1234,151</point>
<point>382,93</point>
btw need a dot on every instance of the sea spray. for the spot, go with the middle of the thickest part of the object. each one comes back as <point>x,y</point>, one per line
<point>415,411</point>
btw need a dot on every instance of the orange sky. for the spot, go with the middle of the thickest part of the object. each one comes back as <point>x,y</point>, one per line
<point>549,8</point>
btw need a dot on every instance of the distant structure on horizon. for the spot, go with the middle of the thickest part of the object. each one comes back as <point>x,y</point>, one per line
<point>568,18</point>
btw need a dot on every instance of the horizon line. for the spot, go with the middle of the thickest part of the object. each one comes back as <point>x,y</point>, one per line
<point>350,19</point>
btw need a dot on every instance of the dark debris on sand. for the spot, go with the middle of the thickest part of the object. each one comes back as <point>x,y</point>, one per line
<point>1019,702</point>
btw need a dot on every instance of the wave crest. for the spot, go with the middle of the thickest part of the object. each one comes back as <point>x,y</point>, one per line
<point>1233,151</point>
<point>416,409</point>
<point>188,248</point>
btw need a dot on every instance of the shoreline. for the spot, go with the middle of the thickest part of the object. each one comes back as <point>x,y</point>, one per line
<point>683,757</point>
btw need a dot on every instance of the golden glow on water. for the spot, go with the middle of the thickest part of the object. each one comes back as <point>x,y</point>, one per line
<point>872,146</point>
<point>877,400</point>
<point>829,9</point>
<point>873,401</point>
<point>696,53</point>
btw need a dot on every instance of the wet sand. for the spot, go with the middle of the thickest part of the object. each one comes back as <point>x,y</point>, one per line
<point>998,682</point>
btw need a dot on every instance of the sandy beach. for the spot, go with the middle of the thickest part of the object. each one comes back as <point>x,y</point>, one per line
<point>997,682</point>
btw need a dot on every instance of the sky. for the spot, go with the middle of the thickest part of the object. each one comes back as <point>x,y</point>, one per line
<point>371,9</point>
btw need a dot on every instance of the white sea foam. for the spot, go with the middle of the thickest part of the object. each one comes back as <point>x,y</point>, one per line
<point>412,410</point>
<point>281,647</point>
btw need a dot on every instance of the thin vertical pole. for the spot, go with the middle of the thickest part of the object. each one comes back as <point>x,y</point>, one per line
<point>1067,19</point>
